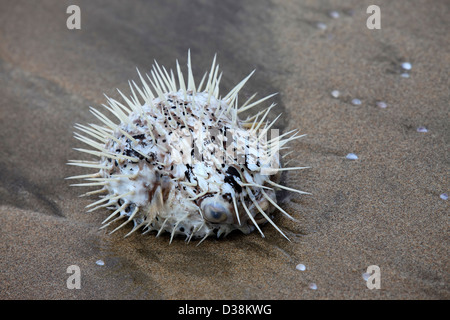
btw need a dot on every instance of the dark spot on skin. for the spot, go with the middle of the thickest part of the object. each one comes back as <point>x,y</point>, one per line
<point>133,153</point>
<point>233,172</point>
<point>188,172</point>
<point>230,180</point>
<point>139,136</point>
<point>227,197</point>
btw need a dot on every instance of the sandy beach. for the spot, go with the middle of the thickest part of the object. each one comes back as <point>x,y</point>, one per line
<point>386,208</point>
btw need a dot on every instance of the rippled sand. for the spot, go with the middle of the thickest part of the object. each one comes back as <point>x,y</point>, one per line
<point>383,208</point>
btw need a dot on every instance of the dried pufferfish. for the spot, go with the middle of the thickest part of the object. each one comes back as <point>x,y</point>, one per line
<point>183,162</point>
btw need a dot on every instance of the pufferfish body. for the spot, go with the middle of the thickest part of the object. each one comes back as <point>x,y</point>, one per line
<point>183,162</point>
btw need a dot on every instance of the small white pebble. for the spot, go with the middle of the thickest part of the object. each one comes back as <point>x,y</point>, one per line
<point>300,267</point>
<point>334,14</point>
<point>335,93</point>
<point>99,263</point>
<point>406,65</point>
<point>422,129</point>
<point>313,286</point>
<point>356,102</point>
<point>382,104</point>
<point>352,156</point>
<point>321,25</point>
<point>366,276</point>
<point>444,196</point>
<point>405,75</point>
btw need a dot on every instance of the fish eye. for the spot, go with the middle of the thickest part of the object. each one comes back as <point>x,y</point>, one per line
<point>215,212</point>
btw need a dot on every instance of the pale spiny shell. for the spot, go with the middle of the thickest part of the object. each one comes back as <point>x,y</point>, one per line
<point>183,162</point>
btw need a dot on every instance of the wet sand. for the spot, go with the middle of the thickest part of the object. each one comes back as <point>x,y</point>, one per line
<point>383,209</point>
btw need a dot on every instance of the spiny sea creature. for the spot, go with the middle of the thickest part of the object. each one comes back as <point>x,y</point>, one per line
<point>183,161</point>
